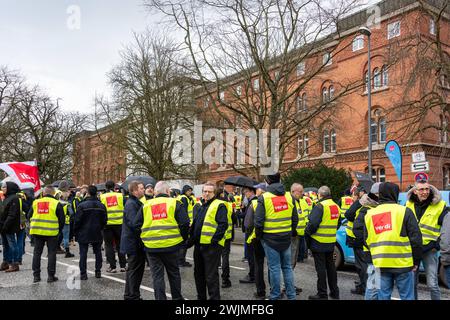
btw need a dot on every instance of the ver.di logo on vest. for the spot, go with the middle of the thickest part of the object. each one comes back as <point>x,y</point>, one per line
<point>43,207</point>
<point>159,211</point>
<point>279,203</point>
<point>382,222</point>
<point>334,211</point>
<point>111,201</point>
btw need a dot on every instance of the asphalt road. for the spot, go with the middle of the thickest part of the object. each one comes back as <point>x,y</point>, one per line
<point>19,285</point>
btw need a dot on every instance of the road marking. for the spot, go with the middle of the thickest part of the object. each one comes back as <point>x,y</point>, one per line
<point>233,267</point>
<point>105,276</point>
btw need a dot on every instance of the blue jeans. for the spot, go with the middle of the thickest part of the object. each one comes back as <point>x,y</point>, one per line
<point>373,283</point>
<point>20,236</point>
<point>430,262</point>
<point>404,282</point>
<point>66,232</point>
<point>10,249</point>
<point>278,261</point>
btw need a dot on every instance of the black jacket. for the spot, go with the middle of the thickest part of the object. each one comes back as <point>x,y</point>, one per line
<point>90,220</point>
<point>249,219</point>
<point>182,218</point>
<point>358,225</point>
<point>10,217</point>
<point>410,228</point>
<point>350,215</point>
<point>277,241</point>
<point>199,219</point>
<point>130,242</point>
<point>314,220</point>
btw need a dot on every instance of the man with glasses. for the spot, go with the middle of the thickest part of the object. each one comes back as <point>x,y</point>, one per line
<point>426,203</point>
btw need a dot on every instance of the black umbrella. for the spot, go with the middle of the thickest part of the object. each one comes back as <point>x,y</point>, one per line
<point>241,181</point>
<point>309,189</point>
<point>101,187</point>
<point>70,182</point>
<point>144,179</point>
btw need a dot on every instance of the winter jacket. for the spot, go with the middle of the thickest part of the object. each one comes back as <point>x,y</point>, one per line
<point>277,241</point>
<point>388,194</point>
<point>89,221</point>
<point>421,207</point>
<point>445,241</point>
<point>10,217</point>
<point>314,220</point>
<point>249,219</point>
<point>366,203</point>
<point>130,242</point>
<point>350,215</point>
<point>199,218</point>
<point>182,218</point>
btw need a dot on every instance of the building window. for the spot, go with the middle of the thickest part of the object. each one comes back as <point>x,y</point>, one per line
<point>327,59</point>
<point>206,102</point>
<point>333,140</point>
<point>303,145</point>
<point>358,43</point>
<point>238,91</point>
<point>444,82</point>
<point>324,95</point>
<point>331,93</point>
<point>301,69</point>
<point>378,174</point>
<point>299,104</point>
<point>376,78</point>
<point>366,79</point>
<point>393,30</point>
<point>276,75</point>
<point>432,27</point>
<point>446,177</point>
<point>385,76</point>
<point>256,84</point>
<point>326,141</point>
<point>382,129</point>
<point>305,102</point>
<point>222,95</point>
<point>373,131</point>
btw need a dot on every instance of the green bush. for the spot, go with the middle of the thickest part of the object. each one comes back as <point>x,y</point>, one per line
<point>336,179</point>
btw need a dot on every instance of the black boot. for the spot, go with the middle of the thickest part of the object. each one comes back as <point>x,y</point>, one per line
<point>68,254</point>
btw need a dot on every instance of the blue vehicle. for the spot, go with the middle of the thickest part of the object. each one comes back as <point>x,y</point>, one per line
<point>344,255</point>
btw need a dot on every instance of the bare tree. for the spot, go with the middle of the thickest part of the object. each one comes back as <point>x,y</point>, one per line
<point>152,98</point>
<point>256,60</point>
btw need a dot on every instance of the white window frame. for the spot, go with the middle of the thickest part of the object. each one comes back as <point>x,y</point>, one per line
<point>394,29</point>
<point>377,83</point>
<point>239,90</point>
<point>301,67</point>
<point>380,132</point>
<point>326,134</point>
<point>358,43</point>
<point>256,84</point>
<point>327,59</point>
<point>305,145</point>
<point>374,135</point>
<point>206,102</point>
<point>384,76</point>
<point>222,95</point>
<point>305,102</point>
<point>330,92</point>
<point>333,141</point>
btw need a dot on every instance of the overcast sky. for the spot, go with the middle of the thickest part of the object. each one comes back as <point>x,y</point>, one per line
<point>42,40</point>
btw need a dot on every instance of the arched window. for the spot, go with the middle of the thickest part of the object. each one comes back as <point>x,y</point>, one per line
<point>331,92</point>
<point>324,95</point>
<point>326,141</point>
<point>333,140</point>
<point>366,81</point>
<point>374,131</point>
<point>303,145</point>
<point>305,103</point>
<point>376,78</point>
<point>378,174</point>
<point>385,76</point>
<point>382,130</point>
<point>299,104</point>
<point>358,43</point>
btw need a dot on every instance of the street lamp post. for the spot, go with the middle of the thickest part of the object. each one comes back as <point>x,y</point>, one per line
<point>366,31</point>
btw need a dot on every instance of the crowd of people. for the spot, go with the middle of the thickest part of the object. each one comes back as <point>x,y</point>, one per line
<point>151,225</point>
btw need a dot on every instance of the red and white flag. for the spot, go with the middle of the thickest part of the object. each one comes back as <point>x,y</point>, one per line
<point>25,174</point>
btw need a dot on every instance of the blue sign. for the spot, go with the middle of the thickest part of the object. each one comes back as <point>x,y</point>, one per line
<point>394,153</point>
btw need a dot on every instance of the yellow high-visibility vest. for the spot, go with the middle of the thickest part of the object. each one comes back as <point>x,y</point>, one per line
<point>160,228</point>
<point>346,203</point>
<point>44,221</point>
<point>113,202</point>
<point>210,225</point>
<point>190,208</point>
<point>253,234</point>
<point>326,233</point>
<point>387,247</point>
<point>278,209</point>
<point>429,226</point>
<point>304,208</point>
<point>237,202</point>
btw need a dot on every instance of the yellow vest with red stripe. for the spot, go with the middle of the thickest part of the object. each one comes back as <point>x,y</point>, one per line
<point>44,221</point>
<point>326,233</point>
<point>278,218</point>
<point>387,247</point>
<point>346,203</point>
<point>113,202</point>
<point>428,223</point>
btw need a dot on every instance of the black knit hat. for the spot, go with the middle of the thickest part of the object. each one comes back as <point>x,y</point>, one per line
<point>273,178</point>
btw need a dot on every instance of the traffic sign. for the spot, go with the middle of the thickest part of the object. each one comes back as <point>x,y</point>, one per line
<point>418,157</point>
<point>420,166</point>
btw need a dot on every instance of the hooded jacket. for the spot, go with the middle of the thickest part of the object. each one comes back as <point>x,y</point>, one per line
<point>277,241</point>
<point>10,217</point>
<point>388,194</point>
<point>421,207</point>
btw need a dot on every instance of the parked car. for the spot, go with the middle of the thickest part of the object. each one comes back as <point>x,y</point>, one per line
<point>344,255</point>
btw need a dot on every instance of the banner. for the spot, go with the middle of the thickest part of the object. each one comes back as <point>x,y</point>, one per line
<point>394,153</point>
<point>25,174</point>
